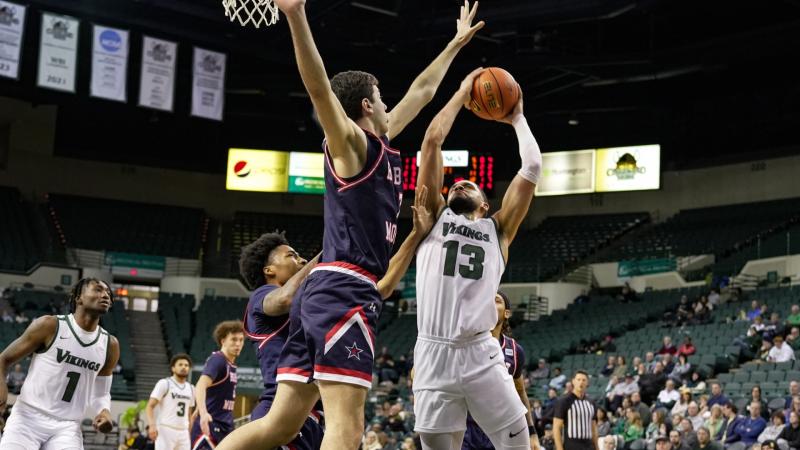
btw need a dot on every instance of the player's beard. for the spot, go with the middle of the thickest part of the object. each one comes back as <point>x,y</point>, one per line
<point>461,204</point>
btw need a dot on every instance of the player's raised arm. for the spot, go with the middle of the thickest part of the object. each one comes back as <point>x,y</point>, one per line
<point>430,172</point>
<point>519,195</point>
<point>279,301</point>
<point>346,142</point>
<point>398,265</point>
<point>39,334</point>
<point>424,86</point>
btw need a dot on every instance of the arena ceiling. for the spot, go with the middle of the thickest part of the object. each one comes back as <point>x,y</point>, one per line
<point>705,79</point>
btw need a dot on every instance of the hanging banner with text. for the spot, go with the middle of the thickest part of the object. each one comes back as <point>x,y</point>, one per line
<point>109,63</point>
<point>645,267</point>
<point>58,52</point>
<point>208,84</point>
<point>12,25</point>
<point>158,73</point>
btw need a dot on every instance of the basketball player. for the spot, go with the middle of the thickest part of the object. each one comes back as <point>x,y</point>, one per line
<point>216,389</point>
<point>459,266</point>
<point>274,271</point>
<point>70,372</point>
<point>514,355</point>
<point>332,327</point>
<point>175,395</point>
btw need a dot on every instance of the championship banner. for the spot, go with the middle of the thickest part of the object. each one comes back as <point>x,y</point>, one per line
<point>158,73</point>
<point>566,173</point>
<point>12,25</point>
<point>208,84</point>
<point>58,51</point>
<point>109,63</point>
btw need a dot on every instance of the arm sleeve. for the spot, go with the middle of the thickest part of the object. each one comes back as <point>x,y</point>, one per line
<point>160,390</point>
<point>529,150</point>
<point>194,398</point>
<point>101,394</point>
<point>520,361</point>
<point>561,408</point>
<point>215,368</point>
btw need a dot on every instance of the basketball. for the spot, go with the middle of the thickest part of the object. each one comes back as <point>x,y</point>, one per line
<point>494,94</point>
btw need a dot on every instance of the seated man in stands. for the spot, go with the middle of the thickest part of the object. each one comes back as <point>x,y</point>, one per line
<point>676,441</point>
<point>558,380</point>
<point>729,432</point>
<point>540,373</point>
<point>780,352</point>
<point>704,441</point>
<point>793,338</point>
<point>793,319</point>
<point>650,383</point>
<point>752,426</point>
<point>668,396</point>
<point>668,347</point>
<point>774,327</point>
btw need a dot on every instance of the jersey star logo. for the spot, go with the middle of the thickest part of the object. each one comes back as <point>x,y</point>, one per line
<point>354,352</point>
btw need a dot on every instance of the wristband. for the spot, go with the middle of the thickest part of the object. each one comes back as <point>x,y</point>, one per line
<point>531,430</point>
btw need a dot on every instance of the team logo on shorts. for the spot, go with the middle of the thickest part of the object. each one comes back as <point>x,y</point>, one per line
<point>354,352</point>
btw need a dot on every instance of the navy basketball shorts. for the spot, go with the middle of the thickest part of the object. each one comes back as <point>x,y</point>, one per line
<point>311,434</point>
<point>475,438</point>
<point>218,431</point>
<point>332,327</point>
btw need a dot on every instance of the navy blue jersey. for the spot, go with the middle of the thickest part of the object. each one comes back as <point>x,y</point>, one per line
<point>221,393</point>
<point>267,334</point>
<point>361,211</point>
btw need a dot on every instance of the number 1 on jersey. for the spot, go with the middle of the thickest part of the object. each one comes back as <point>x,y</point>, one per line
<point>74,377</point>
<point>474,270</point>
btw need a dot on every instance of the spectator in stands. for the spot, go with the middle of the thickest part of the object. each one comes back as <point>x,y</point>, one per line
<point>628,294</point>
<point>603,425</point>
<point>702,312</point>
<point>408,444</point>
<point>683,312</point>
<point>714,422</point>
<point>650,362</point>
<point>542,372</point>
<point>15,378</point>
<point>552,395</point>
<point>682,405</point>
<point>717,397</point>
<point>567,388</point>
<point>396,420</point>
<point>688,435</point>
<point>653,430</point>
<point>774,429</point>
<point>755,311</point>
<point>774,327</point>
<point>134,440</point>
<point>650,384</point>
<point>621,369</point>
<point>793,338</point>
<point>668,363</point>
<point>793,407</point>
<point>385,366</point>
<point>763,352</point>
<point>749,343</point>
<point>713,298</point>
<point>694,416</point>
<point>780,352</point>
<point>633,428</point>
<point>608,369</point>
<point>791,432</point>
<point>753,425</point>
<point>558,380</point>
<point>793,319</point>
<point>687,348</point>
<point>729,433</point>
<point>22,318</point>
<point>663,442</point>
<point>370,441</point>
<point>668,347</point>
<point>794,390</point>
<point>549,444</point>
<point>7,316</point>
<point>755,396</point>
<point>704,441</point>
<point>641,407</point>
<point>676,441</point>
<point>668,396</point>
<point>695,383</point>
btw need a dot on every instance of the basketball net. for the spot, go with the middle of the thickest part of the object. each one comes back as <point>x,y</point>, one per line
<point>254,12</point>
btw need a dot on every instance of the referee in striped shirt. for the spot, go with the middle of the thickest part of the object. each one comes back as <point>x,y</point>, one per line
<point>574,425</point>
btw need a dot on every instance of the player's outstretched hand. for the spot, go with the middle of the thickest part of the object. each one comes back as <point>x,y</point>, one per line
<point>102,423</point>
<point>465,89</point>
<point>517,111</point>
<point>423,218</point>
<point>152,433</point>
<point>464,28</point>
<point>287,6</point>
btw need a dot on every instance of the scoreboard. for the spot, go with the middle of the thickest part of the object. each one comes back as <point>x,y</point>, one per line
<point>458,165</point>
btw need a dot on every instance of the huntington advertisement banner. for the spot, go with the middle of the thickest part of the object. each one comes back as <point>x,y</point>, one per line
<point>109,63</point>
<point>566,173</point>
<point>12,25</point>
<point>58,51</point>
<point>208,84</point>
<point>157,87</point>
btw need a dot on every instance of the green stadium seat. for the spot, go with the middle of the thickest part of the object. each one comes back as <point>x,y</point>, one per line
<point>757,377</point>
<point>777,376</point>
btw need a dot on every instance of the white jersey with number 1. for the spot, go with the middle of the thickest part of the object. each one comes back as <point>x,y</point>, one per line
<point>61,378</point>
<point>174,400</point>
<point>459,266</point>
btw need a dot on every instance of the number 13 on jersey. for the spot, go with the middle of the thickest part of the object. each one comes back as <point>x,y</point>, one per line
<point>474,267</point>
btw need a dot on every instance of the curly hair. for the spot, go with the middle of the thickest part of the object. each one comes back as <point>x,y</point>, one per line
<point>254,257</point>
<point>506,330</point>
<point>180,357</point>
<point>351,87</point>
<point>77,290</point>
<point>223,329</point>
